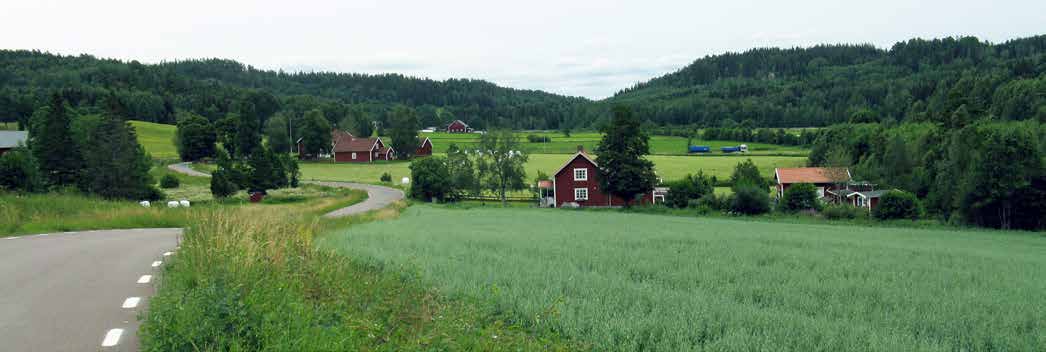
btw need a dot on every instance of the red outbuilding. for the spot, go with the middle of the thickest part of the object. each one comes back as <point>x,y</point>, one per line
<point>825,179</point>
<point>458,126</point>
<point>577,184</point>
<point>425,149</point>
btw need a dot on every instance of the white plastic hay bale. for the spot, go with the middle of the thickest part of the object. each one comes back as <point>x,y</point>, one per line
<point>405,180</point>
<point>184,203</point>
<point>144,203</point>
<point>172,204</point>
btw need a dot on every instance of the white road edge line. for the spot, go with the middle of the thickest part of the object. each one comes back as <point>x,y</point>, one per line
<point>157,263</point>
<point>112,337</point>
<point>131,302</point>
<point>145,279</point>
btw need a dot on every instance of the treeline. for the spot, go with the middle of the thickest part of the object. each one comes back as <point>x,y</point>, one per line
<point>917,80</point>
<point>986,172</point>
<point>213,88</point>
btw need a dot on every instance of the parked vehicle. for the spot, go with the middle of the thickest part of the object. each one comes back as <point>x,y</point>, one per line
<point>699,149</point>
<point>736,149</point>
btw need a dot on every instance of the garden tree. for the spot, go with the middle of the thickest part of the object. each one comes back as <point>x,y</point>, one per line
<point>119,167</point>
<point>462,179</point>
<point>747,174</point>
<point>430,177</point>
<point>500,163</point>
<point>403,131</point>
<point>277,133</point>
<point>52,144</point>
<point>19,171</point>
<point>261,172</point>
<point>802,196</point>
<point>897,205</point>
<point>624,172</point>
<point>228,177</point>
<point>691,188</point>
<point>749,200</point>
<point>315,133</point>
<point>248,130</point>
<point>221,186</point>
<point>169,181</point>
<point>195,137</point>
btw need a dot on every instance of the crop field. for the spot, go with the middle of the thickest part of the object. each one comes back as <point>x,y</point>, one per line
<point>561,144</point>
<point>157,139</point>
<point>630,282</point>
<point>668,167</point>
<point>8,126</point>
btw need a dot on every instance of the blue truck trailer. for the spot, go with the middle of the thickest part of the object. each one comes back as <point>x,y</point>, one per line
<point>699,149</point>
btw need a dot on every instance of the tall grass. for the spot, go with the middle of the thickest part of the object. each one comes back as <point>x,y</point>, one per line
<point>54,212</point>
<point>635,282</point>
<point>252,280</point>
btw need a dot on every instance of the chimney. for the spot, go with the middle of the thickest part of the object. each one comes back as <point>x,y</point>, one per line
<point>580,149</point>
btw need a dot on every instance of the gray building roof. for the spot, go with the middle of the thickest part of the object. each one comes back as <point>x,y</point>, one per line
<point>11,139</point>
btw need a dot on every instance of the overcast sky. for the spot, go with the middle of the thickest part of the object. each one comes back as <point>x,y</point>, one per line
<point>588,48</point>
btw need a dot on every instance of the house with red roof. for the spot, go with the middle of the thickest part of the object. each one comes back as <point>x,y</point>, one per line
<point>825,179</point>
<point>576,184</point>
<point>346,148</point>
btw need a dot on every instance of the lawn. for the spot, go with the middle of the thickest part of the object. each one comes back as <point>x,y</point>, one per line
<point>630,282</point>
<point>8,126</point>
<point>561,144</point>
<point>669,167</point>
<point>158,139</point>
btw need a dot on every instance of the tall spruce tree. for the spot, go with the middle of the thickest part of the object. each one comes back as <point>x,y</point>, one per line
<point>624,172</point>
<point>119,166</point>
<point>404,131</point>
<point>52,143</point>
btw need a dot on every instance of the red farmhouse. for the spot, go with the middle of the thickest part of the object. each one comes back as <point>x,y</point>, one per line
<point>425,149</point>
<point>458,126</point>
<point>825,179</point>
<point>346,148</point>
<point>577,182</point>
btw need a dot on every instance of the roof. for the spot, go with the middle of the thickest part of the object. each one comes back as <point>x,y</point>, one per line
<point>576,155</point>
<point>458,121</point>
<point>425,141</point>
<point>871,194</point>
<point>356,144</point>
<point>841,192</point>
<point>787,175</point>
<point>11,139</point>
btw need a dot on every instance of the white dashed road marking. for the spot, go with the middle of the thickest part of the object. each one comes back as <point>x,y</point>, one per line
<point>145,279</point>
<point>157,263</point>
<point>112,337</point>
<point>131,302</point>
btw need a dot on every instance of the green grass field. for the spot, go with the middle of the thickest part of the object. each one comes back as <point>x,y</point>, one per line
<point>158,139</point>
<point>561,144</point>
<point>668,167</point>
<point>8,126</point>
<point>630,282</point>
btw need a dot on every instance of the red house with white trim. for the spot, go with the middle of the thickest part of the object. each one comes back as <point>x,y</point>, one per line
<point>347,149</point>
<point>825,179</point>
<point>458,126</point>
<point>425,149</point>
<point>577,182</point>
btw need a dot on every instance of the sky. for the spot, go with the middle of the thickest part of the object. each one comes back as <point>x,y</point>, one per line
<point>579,48</point>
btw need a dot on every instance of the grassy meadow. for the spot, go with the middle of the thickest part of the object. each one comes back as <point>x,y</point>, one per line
<point>157,139</point>
<point>55,212</point>
<point>630,282</point>
<point>561,144</point>
<point>8,126</point>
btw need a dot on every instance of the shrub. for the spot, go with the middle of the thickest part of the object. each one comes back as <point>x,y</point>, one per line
<point>169,181</point>
<point>841,211</point>
<point>386,177</point>
<point>430,177</point>
<point>19,171</point>
<point>691,188</point>
<point>221,186</point>
<point>801,196</point>
<point>533,138</point>
<point>750,200</point>
<point>897,205</point>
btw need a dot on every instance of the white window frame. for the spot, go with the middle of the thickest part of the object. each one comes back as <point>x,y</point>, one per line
<point>353,155</point>
<point>578,197</point>
<point>860,201</point>
<point>584,171</point>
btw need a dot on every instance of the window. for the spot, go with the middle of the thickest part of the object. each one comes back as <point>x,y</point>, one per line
<point>581,194</point>
<point>860,201</point>
<point>353,156</point>
<point>581,174</point>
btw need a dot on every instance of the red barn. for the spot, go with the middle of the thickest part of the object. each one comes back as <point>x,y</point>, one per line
<point>362,150</point>
<point>458,126</point>
<point>577,182</point>
<point>425,149</point>
<point>825,179</point>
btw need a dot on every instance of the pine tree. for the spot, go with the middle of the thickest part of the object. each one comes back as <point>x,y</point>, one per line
<point>624,172</point>
<point>118,167</point>
<point>53,145</point>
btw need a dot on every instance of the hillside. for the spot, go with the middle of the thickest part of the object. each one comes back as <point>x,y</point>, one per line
<point>918,80</point>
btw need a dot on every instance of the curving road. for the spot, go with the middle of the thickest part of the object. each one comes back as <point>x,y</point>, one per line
<point>83,291</point>
<point>72,291</point>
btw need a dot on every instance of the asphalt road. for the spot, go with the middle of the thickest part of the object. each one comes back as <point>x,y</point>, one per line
<point>68,291</point>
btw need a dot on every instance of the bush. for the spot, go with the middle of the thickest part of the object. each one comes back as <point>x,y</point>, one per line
<point>430,177</point>
<point>841,211</point>
<point>169,181</point>
<point>691,188</point>
<point>897,205</point>
<point>533,138</point>
<point>801,196</point>
<point>750,200</point>
<point>386,177</point>
<point>221,186</point>
<point>19,171</point>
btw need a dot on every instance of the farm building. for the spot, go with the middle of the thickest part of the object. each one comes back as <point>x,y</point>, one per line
<point>825,179</point>
<point>576,183</point>
<point>425,149</point>
<point>12,139</point>
<point>345,148</point>
<point>856,194</point>
<point>458,126</point>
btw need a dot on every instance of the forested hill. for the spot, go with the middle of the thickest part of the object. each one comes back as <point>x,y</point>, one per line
<point>914,80</point>
<point>152,92</point>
